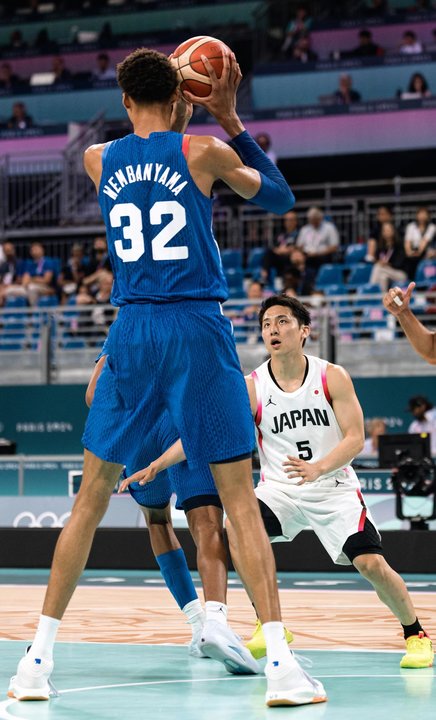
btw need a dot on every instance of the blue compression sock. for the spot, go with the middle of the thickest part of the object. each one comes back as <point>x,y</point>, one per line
<point>174,569</point>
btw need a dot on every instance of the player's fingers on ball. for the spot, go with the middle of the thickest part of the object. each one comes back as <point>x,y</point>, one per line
<point>209,67</point>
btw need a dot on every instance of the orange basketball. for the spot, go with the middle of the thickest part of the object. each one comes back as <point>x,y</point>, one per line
<point>187,60</point>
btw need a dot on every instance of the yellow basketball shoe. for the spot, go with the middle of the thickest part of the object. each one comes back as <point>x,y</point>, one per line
<point>419,652</point>
<point>257,645</point>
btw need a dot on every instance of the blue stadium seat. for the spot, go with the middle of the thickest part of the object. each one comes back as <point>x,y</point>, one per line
<point>359,275</point>
<point>367,289</point>
<point>48,301</point>
<point>235,282</point>
<point>330,290</point>
<point>354,254</point>
<point>231,259</point>
<point>255,260</point>
<point>74,344</point>
<point>426,273</point>
<point>16,302</point>
<point>329,274</point>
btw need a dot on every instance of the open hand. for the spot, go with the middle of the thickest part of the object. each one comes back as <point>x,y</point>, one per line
<point>296,467</point>
<point>221,102</point>
<point>142,477</point>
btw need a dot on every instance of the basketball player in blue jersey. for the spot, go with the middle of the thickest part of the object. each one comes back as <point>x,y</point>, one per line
<point>198,497</point>
<point>171,346</point>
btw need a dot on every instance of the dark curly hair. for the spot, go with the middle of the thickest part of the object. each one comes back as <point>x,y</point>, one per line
<point>147,76</point>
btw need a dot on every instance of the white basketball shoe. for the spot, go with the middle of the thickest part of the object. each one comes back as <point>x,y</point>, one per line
<point>32,681</point>
<point>289,684</point>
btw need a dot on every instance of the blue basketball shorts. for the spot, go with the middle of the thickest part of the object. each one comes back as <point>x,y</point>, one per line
<point>175,356</point>
<point>179,479</point>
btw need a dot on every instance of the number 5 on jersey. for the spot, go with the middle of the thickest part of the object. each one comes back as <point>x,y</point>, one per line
<point>133,231</point>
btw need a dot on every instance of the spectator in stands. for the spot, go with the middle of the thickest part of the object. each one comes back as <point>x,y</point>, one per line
<point>106,36</point>
<point>366,47</point>
<point>98,263</point>
<point>418,88</point>
<point>264,142</point>
<point>62,76</point>
<point>44,44</point>
<point>425,418</point>
<point>318,239</point>
<point>72,273</point>
<point>278,256</point>
<point>345,94</point>
<point>303,52</point>
<point>103,318</point>
<point>431,46</point>
<point>296,28</point>
<point>410,45</point>
<point>418,238</point>
<point>250,313</point>
<point>9,81</point>
<point>298,278</point>
<point>390,263</point>
<point>104,70</point>
<point>377,8</point>
<point>20,119</point>
<point>383,214</point>
<point>16,41</point>
<point>11,273</point>
<point>82,323</point>
<point>374,428</point>
<point>423,6</point>
<point>39,279</point>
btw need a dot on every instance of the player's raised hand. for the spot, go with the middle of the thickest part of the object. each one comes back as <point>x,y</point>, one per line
<point>296,467</point>
<point>397,301</point>
<point>142,477</point>
<point>221,102</point>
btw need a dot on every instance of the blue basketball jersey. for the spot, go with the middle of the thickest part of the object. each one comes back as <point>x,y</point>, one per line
<point>158,223</point>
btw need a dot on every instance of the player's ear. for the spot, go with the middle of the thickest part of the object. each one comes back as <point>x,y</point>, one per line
<point>305,332</point>
<point>126,101</point>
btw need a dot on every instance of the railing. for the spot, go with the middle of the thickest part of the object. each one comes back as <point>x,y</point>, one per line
<point>50,195</point>
<point>59,344</point>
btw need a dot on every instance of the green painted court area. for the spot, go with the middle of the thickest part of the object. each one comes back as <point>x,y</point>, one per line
<point>133,681</point>
<point>96,681</point>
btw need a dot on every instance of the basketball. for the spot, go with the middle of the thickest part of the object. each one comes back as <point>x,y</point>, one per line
<point>187,60</point>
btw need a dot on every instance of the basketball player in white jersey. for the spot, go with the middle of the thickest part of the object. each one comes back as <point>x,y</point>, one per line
<point>309,428</point>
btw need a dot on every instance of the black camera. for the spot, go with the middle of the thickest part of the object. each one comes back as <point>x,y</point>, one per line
<point>414,477</point>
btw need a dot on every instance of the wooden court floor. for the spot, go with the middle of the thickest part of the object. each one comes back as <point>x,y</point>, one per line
<point>122,653</point>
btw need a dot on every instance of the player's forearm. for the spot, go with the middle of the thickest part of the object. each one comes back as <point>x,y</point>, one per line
<point>421,339</point>
<point>175,454</point>
<point>274,193</point>
<point>342,454</point>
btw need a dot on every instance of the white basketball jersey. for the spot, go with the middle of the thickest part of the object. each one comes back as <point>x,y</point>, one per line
<point>299,423</point>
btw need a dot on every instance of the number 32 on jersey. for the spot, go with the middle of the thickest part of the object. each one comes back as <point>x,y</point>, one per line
<point>133,231</point>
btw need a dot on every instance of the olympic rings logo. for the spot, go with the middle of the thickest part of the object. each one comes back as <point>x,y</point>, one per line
<point>45,519</point>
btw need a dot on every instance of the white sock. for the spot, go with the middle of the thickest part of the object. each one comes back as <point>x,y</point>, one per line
<point>42,646</point>
<point>216,611</point>
<point>277,649</point>
<point>194,615</point>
